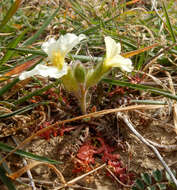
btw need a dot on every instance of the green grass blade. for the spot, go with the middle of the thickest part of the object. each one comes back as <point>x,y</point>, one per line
<point>6,180</point>
<point>97,26</point>
<point>22,110</point>
<point>168,23</point>
<point>8,86</point>
<point>154,102</point>
<point>12,44</point>
<point>35,93</point>
<point>37,34</point>
<point>10,13</point>
<point>79,10</point>
<point>141,87</point>
<point>7,148</point>
<point>27,51</point>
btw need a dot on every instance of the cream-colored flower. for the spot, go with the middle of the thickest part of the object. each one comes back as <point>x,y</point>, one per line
<point>113,57</point>
<point>56,51</point>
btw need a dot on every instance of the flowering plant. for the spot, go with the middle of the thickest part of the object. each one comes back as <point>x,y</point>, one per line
<point>77,79</point>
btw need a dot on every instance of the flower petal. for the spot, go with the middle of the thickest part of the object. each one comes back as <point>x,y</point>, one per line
<point>49,47</point>
<point>112,48</point>
<point>63,45</point>
<point>44,71</point>
<point>68,41</point>
<point>125,64</point>
<point>113,57</point>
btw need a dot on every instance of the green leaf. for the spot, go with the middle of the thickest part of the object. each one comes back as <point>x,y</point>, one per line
<point>37,34</point>
<point>8,86</point>
<point>27,51</point>
<point>162,186</point>
<point>141,87</point>
<point>139,184</point>
<point>147,178</point>
<point>168,23</point>
<point>10,13</point>
<point>22,110</point>
<point>155,102</point>
<point>157,174</point>
<point>12,44</point>
<point>7,148</point>
<point>6,180</point>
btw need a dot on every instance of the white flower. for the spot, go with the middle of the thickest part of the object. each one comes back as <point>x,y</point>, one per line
<point>113,57</point>
<point>56,51</point>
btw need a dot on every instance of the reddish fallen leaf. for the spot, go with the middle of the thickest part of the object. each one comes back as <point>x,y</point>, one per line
<point>119,90</point>
<point>93,109</point>
<point>65,129</point>
<point>137,79</point>
<point>47,133</point>
<point>86,155</point>
<point>52,94</point>
<point>54,132</point>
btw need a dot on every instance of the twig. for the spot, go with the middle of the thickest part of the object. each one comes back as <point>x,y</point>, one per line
<point>80,177</point>
<point>124,185</point>
<point>131,127</point>
<point>81,187</point>
<point>28,171</point>
<point>154,3</point>
<point>37,181</point>
<point>162,147</point>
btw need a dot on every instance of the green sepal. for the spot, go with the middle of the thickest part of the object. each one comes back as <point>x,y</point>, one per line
<point>79,73</point>
<point>69,81</point>
<point>96,74</point>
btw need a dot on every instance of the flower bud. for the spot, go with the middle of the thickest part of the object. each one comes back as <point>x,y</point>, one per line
<point>79,73</point>
<point>94,75</point>
<point>70,82</point>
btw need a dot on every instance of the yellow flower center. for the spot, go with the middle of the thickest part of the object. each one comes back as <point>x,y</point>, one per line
<point>58,60</point>
<point>106,64</point>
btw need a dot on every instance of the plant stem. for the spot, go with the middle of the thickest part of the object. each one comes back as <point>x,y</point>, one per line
<point>83,94</point>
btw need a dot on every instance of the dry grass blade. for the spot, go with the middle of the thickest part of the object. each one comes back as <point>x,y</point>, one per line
<point>20,68</point>
<point>5,34</point>
<point>132,2</point>
<point>80,177</point>
<point>136,52</point>
<point>162,147</point>
<point>21,171</point>
<point>128,186</point>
